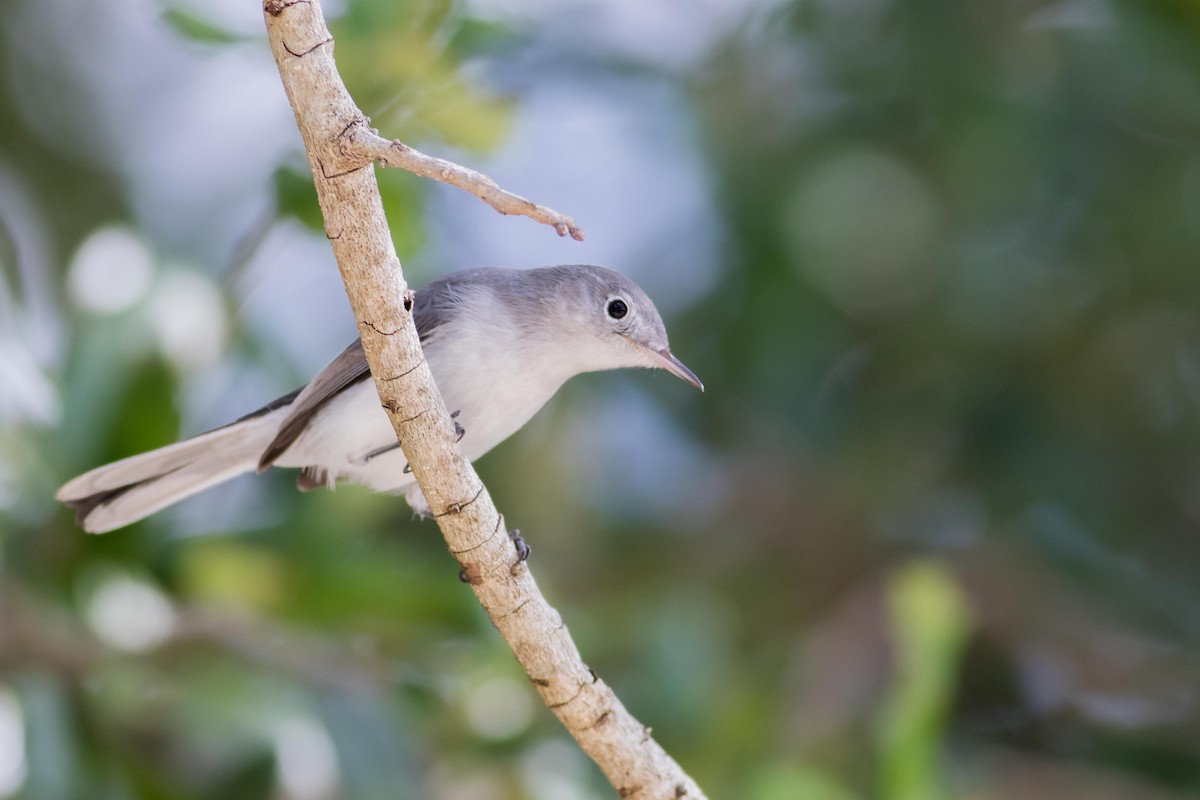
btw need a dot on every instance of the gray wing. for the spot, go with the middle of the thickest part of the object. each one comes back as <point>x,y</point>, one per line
<point>347,369</point>
<point>432,305</point>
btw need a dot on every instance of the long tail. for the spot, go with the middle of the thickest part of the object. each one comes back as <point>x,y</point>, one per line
<point>125,491</point>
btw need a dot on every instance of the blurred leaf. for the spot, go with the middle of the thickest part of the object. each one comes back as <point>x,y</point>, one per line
<point>795,782</point>
<point>473,35</point>
<point>397,62</point>
<point>113,385</point>
<point>148,416</point>
<point>194,27</point>
<point>251,779</point>
<point>296,196</point>
<point>224,571</point>
<point>930,623</point>
<point>401,193</point>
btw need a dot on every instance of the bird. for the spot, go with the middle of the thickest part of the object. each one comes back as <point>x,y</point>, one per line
<point>499,343</point>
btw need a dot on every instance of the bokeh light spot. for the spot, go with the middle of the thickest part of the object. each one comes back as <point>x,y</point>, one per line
<point>13,766</point>
<point>129,614</point>
<point>110,272</point>
<point>556,770</point>
<point>305,759</point>
<point>188,318</point>
<point>861,228</point>
<point>499,708</point>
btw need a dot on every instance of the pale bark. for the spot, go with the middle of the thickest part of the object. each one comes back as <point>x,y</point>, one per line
<point>341,151</point>
<point>397,154</point>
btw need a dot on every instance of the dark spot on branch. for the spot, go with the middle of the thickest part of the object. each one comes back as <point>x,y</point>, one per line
<point>350,126</point>
<point>471,573</point>
<point>457,508</point>
<point>543,682</point>
<point>680,790</point>
<point>408,299</point>
<point>392,407</point>
<point>277,7</point>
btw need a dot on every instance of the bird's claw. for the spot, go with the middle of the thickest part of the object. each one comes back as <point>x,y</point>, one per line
<point>523,549</point>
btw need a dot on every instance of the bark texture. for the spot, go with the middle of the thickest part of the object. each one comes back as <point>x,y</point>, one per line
<point>341,150</point>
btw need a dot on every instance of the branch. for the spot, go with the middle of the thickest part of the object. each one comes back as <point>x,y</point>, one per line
<point>397,154</point>
<point>334,132</point>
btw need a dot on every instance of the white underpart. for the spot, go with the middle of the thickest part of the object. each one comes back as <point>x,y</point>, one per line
<point>495,381</point>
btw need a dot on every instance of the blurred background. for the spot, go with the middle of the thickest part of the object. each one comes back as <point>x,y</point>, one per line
<point>932,532</point>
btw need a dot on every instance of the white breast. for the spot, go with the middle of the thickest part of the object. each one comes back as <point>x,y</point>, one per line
<point>494,380</point>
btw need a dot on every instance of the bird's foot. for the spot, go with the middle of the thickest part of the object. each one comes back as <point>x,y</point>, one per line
<point>523,549</point>
<point>459,430</point>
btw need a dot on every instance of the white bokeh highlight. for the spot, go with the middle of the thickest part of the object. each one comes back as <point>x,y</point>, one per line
<point>499,707</point>
<point>130,614</point>
<point>556,769</point>
<point>306,765</point>
<point>13,764</point>
<point>188,318</point>
<point>110,272</point>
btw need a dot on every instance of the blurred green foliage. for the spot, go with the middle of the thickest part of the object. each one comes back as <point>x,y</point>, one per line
<point>929,629</point>
<point>949,545</point>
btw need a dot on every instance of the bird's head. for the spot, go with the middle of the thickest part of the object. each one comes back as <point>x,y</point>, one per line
<point>617,323</point>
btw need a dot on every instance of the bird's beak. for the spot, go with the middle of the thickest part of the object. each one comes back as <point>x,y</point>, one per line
<point>676,367</point>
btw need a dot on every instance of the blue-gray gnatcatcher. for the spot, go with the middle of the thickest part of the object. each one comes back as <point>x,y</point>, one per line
<point>499,344</point>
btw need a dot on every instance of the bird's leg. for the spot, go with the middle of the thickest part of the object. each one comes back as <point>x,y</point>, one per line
<point>378,451</point>
<point>523,549</point>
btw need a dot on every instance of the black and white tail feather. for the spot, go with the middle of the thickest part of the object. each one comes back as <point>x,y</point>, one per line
<point>125,491</point>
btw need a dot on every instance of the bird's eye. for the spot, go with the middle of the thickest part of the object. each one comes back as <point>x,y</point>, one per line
<point>617,308</point>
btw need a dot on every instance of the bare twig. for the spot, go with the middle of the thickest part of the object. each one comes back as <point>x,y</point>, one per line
<point>333,129</point>
<point>397,154</point>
